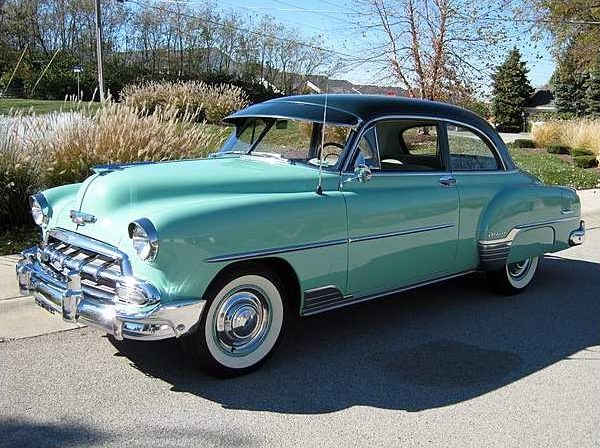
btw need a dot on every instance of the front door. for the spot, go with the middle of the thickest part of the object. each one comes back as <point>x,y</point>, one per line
<point>403,222</point>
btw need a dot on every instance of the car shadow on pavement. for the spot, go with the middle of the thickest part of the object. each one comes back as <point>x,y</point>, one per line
<point>424,349</point>
<point>19,433</point>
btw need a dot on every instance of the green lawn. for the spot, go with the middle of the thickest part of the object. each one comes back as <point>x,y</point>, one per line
<point>553,170</point>
<point>43,106</point>
<point>15,240</point>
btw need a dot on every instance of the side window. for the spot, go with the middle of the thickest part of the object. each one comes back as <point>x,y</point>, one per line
<point>367,150</point>
<point>468,152</point>
<point>409,146</point>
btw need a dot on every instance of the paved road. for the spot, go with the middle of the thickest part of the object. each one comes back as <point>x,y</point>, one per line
<point>448,365</point>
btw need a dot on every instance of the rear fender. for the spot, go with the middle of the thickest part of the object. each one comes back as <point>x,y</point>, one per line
<point>526,221</point>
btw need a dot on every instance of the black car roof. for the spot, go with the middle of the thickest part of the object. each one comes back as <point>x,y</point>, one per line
<point>355,109</point>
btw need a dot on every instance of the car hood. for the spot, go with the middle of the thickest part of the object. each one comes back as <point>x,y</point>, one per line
<point>119,195</point>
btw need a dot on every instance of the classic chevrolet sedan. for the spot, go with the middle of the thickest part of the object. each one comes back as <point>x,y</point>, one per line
<point>312,204</point>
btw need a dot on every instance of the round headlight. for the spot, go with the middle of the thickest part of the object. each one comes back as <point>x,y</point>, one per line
<point>40,210</point>
<point>144,239</point>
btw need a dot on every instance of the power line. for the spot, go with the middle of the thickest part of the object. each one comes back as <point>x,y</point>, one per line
<point>247,30</point>
<point>329,16</point>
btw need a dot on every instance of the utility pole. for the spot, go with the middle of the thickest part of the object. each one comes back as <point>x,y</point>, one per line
<point>99,50</point>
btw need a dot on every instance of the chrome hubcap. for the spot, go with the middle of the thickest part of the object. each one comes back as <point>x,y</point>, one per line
<point>519,269</point>
<point>242,322</point>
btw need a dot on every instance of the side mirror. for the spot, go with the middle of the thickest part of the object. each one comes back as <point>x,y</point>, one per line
<point>362,173</point>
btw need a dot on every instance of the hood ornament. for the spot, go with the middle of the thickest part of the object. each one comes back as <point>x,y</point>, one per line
<point>81,219</point>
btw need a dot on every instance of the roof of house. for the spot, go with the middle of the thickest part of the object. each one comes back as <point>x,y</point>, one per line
<point>541,98</point>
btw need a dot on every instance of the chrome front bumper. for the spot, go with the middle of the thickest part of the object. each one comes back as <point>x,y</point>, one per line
<point>66,297</point>
<point>577,236</point>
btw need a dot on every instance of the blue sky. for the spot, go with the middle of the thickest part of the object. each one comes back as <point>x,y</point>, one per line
<point>332,20</point>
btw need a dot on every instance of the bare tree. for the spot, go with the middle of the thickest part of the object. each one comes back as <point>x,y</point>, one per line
<point>435,49</point>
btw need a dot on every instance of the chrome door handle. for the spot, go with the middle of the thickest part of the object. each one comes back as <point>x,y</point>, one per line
<point>447,181</point>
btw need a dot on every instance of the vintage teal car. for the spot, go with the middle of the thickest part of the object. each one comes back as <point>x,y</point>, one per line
<point>312,204</point>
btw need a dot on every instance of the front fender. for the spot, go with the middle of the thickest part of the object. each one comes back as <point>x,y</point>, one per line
<point>199,238</point>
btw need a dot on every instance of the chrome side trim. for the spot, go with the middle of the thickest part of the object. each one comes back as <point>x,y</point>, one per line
<point>493,256</point>
<point>281,250</point>
<point>316,298</point>
<point>510,236</point>
<point>399,233</point>
<point>486,172</point>
<point>378,173</point>
<point>275,251</point>
<point>350,300</point>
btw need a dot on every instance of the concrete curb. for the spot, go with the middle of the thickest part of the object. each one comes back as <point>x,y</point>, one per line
<point>21,318</point>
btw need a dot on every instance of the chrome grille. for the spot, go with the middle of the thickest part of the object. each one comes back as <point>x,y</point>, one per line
<point>100,273</point>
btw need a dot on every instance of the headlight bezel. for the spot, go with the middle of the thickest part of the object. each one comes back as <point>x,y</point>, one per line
<point>144,239</point>
<point>40,210</point>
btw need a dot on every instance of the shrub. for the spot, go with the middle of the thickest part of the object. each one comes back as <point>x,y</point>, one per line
<point>585,161</point>
<point>523,143</point>
<point>558,149</point>
<point>120,134</point>
<point>19,174</point>
<point>577,152</point>
<point>205,102</point>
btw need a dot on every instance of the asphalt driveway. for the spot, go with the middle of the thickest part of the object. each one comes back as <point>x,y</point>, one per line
<point>447,365</point>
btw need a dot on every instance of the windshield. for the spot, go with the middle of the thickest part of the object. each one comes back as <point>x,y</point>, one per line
<point>296,141</point>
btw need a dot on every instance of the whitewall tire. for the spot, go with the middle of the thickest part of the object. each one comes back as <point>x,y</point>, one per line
<point>241,323</point>
<point>514,278</point>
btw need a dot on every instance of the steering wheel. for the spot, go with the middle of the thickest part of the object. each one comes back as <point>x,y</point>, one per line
<point>332,154</point>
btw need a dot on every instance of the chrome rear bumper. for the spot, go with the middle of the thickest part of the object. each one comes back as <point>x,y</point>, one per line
<point>66,296</point>
<point>577,236</point>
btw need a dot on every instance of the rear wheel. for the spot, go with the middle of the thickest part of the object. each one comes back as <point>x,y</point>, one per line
<point>514,278</point>
<point>241,323</point>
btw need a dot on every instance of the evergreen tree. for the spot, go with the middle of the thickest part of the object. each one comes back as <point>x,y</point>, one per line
<point>592,97</point>
<point>511,92</point>
<point>570,88</point>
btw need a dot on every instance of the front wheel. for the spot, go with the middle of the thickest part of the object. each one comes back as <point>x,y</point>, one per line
<point>241,323</point>
<point>513,278</point>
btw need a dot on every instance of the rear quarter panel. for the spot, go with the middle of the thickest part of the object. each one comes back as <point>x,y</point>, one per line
<point>492,205</point>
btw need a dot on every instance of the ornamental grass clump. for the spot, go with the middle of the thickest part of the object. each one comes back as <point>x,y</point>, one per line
<point>204,101</point>
<point>19,172</point>
<point>121,134</point>
<point>581,133</point>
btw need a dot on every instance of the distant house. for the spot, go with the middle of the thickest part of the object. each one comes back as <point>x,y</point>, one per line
<point>541,101</point>
<point>343,86</point>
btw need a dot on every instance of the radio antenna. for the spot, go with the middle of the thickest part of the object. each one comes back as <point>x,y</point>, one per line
<point>320,184</point>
